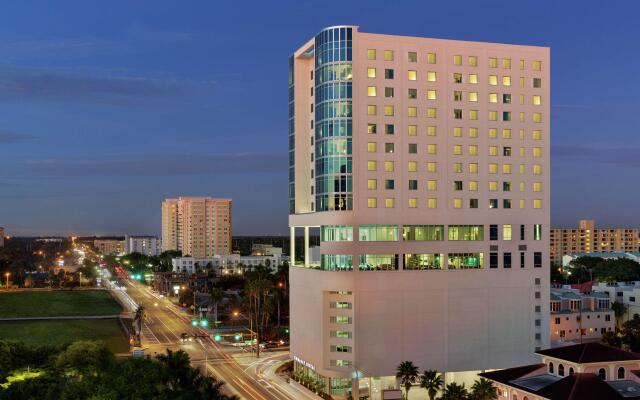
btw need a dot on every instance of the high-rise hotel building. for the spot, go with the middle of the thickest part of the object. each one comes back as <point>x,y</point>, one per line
<point>198,226</point>
<point>425,165</point>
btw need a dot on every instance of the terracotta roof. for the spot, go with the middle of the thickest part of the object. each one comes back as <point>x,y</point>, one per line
<point>509,374</point>
<point>580,386</point>
<point>589,353</point>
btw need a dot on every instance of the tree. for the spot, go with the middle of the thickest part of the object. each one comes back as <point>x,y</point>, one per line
<point>483,389</point>
<point>454,391</point>
<point>257,290</point>
<point>431,380</point>
<point>630,333</point>
<point>408,375</point>
<point>215,295</point>
<point>84,358</point>
<point>618,310</point>
<point>613,339</point>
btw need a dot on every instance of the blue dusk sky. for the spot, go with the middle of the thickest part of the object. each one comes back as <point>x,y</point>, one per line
<point>107,107</point>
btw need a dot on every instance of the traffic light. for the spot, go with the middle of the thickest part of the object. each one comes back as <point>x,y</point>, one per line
<point>194,322</point>
<point>217,338</point>
<point>237,337</point>
<point>204,323</point>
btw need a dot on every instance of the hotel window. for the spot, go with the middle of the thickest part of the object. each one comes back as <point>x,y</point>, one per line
<point>473,150</point>
<point>431,58</point>
<point>431,112</point>
<point>537,117</point>
<point>537,232</point>
<point>457,60</point>
<point>506,232</point>
<point>431,131</point>
<point>412,111</point>
<point>521,186</point>
<point>457,77</point>
<point>537,152</point>
<point>506,81</point>
<point>506,260</point>
<point>506,63</point>
<point>493,115</point>
<point>388,111</point>
<point>413,184</point>
<point>378,262</point>
<point>371,54</point>
<point>378,233</point>
<point>371,72</point>
<point>388,92</point>
<point>537,83</point>
<point>389,202</point>
<point>372,110</point>
<point>431,76</point>
<point>412,75</point>
<point>413,202</point>
<point>432,149</point>
<point>457,168</point>
<point>537,203</point>
<point>432,166</point>
<point>537,100</point>
<point>537,65</point>
<point>473,132</point>
<point>412,166</point>
<point>473,115</point>
<point>457,150</point>
<point>341,349</point>
<point>388,73</point>
<point>537,259</point>
<point>493,133</point>
<point>493,168</point>
<point>388,55</point>
<point>493,232</point>
<point>466,232</point>
<point>412,56</point>
<point>521,99</point>
<point>432,185</point>
<point>413,148</point>
<point>493,260</point>
<point>472,61</point>
<point>473,203</point>
<point>537,186</point>
<point>465,260</point>
<point>493,203</point>
<point>473,168</point>
<point>473,186</point>
<point>506,186</point>
<point>506,168</point>
<point>537,169</point>
<point>522,82</point>
<point>372,202</point>
<point>372,129</point>
<point>389,166</point>
<point>389,129</point>
<point>412,94</point>
<point>372,147</point>
<point>493,62</point>
<point>521,64</point>
<point>422,261</point>
<point>457,132</point>
<point>473,96</point>
<point>522,168</point>
<point>493,97</point>
<point>457,185</point>
<point>371,91</point>
<point>336,233</point>
<point>431,94</point>
<point>522,232</point>
<point>432,202</point>
<point>372,184</point>
<point>493,80</point>
<point>506,151</point>
<point>457,95</point>
<point>473,78</point>
<point>506,98</point>
<point>372,165</point>
<point>506,115</point>
<point>412,130</point>
<point>536,135</point>
<point>522,152</point>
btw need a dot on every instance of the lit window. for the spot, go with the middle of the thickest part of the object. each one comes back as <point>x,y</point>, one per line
<point>473,186</point>
<point>522,152</point>
<point>493,115</point>
<point>537,186</point>
<point>388,55</point>
<point>522,169</point>
<point>432,185</point>
<point>521,134</point>
<point>372,110</point>
<point>521,186</point>
<point>537,65</point>
<point>457,168</point>
<point>537,169</point>
<point>431,76</point>
<point>457,203</point>
<point>521,203</point>
<point>493,133</point>
<point>473,114</point>
<point>473,61</point>
<point>371,91</point>
<point>522,118</point>
<point>432,130</point>
<point>506,168</point>
<point>493,150</point>
<point>431,112</point>
<point>493,186</point>
<point>536,135</point>
<point>521,64</point>
<point>457,60</point>
<point>432,166</point>
<point>506,98</point>
<point>522,82</point>
<point>412,130</point>
<point>372,202</point>
<point>431,94</point>
<point>493,62</point>
<point>506,133</point>
<point>412,56</point>
<point>493,97</point>
<point>473,168</point>
<point>412,111</point>
<point>457,150</point>
<point>431,58</point>
<point>537,203</point>
<point>537,152</point>
<point>493,168</point>
<point>473,150</point>
<point>473,132</point>
<point>432,202</point>
<point>389,202</point>
<point>372,184</point>
<point>432,149</point>
<point>388,111</point>
<point>493,80</point>
<point>473,78</point>
<point>413,166</point>
<point>457,132</point>
<point>521,99</point>
<point>537,100</point>
<point>457,95</point>
<point>372,147</point>
<point>537,117</point>
<point>506,232</point>
<point>412,75</point>
<point>506,63</point>
<point>371,72</point>
<point>506,81</point>
<point>389,166</point>
<point>413,202</point>
<point>372,165</point>
<point>473,96</point>
<point>457,78</point>
<point>371,54</point>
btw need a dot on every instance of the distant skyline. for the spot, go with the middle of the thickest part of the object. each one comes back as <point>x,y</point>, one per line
<point>108,108</point>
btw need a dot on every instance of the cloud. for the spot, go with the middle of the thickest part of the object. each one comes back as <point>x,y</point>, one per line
<point>7,137</point>
<point>50,84</point>
<point>602,154</point>
<point>157,165</point>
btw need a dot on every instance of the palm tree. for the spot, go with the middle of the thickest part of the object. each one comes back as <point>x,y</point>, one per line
<point>618,310</point>
<point>408,375</point>
<point>483,389</point>
<point>215,295</point>
<point>453,391</point>
<point>432,381</point>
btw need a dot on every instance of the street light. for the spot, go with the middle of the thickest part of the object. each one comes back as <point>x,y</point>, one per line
<point>239,314</point>
<point>7,274</point>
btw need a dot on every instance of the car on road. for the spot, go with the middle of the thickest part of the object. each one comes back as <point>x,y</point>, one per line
<point>185,337</point>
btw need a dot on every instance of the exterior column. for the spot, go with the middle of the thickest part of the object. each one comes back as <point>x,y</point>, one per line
<point>292,245</point>
<point>306,247</point>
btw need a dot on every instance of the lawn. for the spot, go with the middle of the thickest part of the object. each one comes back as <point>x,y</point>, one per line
<point>57,303</point>
<point>58,332</point>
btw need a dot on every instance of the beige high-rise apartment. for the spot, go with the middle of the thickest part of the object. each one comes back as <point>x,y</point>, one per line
<point>587,239</point>
<point>425,165</point>
<point>198,226</point>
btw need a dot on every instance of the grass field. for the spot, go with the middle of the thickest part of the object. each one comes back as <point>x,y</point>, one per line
<point>57,303</point>
<point>58,332</point>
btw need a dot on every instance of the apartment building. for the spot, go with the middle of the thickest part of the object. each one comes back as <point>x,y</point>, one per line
<point>147,245</point>
<point>198,226</point>
<point>579,316</point>
<point>587,239</point>
<point>1,236</point>
<point>109,246</point>
<point>424,163</point>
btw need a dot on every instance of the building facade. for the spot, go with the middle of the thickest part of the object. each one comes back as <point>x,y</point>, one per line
<point>109,246</point>
<point>228,264</point>
<point>577,317</point>
<point>424,163</point>
<point>588,239</point>
<point>198,226</point>
<point>147,245</point>
<point>1,236</point>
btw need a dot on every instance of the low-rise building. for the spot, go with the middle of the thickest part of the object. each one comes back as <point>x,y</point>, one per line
<point>635,256</point>
<point>147,245</point>
<point>232,263</point>
<point>589,371</point>
<point>260,249</point>
<point>109,246</point>
<point>579,316</point>
<point>627,293</point>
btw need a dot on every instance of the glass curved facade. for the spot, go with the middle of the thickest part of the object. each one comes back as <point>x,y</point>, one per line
<point>333,123</point>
